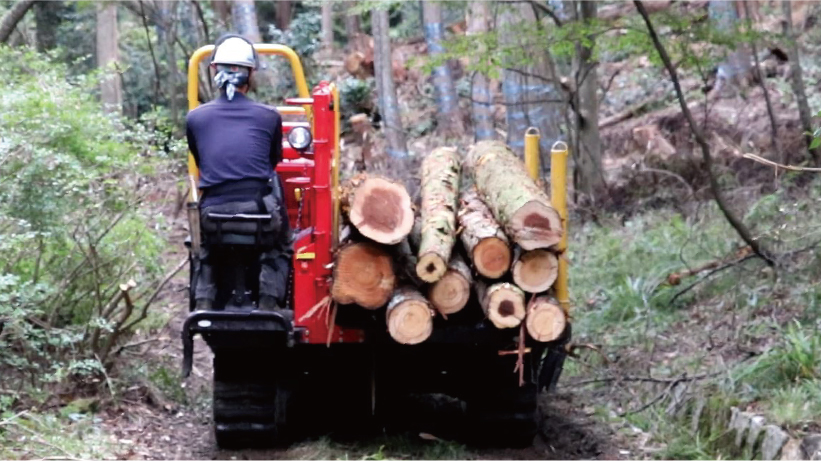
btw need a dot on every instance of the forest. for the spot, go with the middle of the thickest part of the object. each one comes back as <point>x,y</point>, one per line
<point>694,149</point>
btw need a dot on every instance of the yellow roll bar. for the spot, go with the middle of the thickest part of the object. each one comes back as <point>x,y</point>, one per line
<point>193,91</point>
<point>335,165</point>
<point>558,198</point>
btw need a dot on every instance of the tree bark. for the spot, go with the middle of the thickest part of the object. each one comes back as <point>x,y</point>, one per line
<point>762,82</point>
<point>530,97</point>
<point>388,104</point>
<point>440,189</point>
<point>503,304</point>
<point>363,275</point>
<point>328,27</point>
<point>482,236</point>
<point>797,80</point>
<point>449,117</point>
<point>48,17</point>
<point>535,271</point>
<point>351,21</point>
<point>379,208</point>
<point>283,14</point>
<point>734,221</point>
<point>108,54</point>
<point>451,293</point>
<point>409,317</point>
<point>12,17</point>
<point>546,321</point>
<point>223,11</point>
<point>517,203</point>
<point>478,22</point>
<point>589,162</point>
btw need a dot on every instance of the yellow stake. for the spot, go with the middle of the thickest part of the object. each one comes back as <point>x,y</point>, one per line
<point>532,136</point>
<point>558,197</point>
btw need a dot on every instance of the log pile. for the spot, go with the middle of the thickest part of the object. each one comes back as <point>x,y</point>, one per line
<point>480,247</point>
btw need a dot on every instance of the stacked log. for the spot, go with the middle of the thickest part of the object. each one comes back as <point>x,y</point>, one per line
<point>481,242</point>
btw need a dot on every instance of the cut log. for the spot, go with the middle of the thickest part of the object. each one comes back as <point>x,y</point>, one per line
<point>482,236</point>
<point>535,271</point>
<point>450,294</point>
<point>363,275</point>
<point>409,316</point>
<point>379,208</point>
<point>546,320</point>
<point>440,187</point>
<point>503,303</point>
<point>517,203</point>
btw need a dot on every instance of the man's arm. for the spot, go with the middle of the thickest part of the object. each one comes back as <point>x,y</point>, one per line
<point>192,143</point>
<point>276,141</point>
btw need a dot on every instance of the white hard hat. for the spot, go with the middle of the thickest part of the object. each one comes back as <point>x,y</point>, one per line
<point>236,51</point>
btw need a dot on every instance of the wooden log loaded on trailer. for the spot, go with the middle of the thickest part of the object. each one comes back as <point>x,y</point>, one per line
<point>484,229</point>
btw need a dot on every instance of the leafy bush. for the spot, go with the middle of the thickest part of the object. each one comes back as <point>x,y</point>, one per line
<point>70,230</point>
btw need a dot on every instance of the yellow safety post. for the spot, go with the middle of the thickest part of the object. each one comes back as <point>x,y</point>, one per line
<point>194,88</point>
<point>532,136</point>
<point>335,165</point>
<point>558,197</point>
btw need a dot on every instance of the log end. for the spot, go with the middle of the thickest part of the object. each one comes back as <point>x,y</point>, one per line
<point>363,275</point>
<point>505,306</point>
<point>381,211</point>
<point>535,225</point>
<point>450,294</point>
<point>410,322</point>
<point>431,267</point>
<point>545,321</point>
<point>536,271</point>
<point>491,256</point>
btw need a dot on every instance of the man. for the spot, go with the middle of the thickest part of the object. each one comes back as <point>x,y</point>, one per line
<point>236,144</point>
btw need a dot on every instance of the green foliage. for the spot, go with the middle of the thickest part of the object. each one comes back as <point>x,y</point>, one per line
<point>795,360</point>
<point>70,231</point>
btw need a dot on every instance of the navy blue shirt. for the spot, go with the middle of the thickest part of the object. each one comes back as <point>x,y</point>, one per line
<point>234,140</point>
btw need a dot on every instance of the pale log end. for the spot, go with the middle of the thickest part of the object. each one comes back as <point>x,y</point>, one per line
<point>545,320</point>
<point>492,256</point>
<point>536,271</point>
<point>363,275</point>
<point>431,267</point>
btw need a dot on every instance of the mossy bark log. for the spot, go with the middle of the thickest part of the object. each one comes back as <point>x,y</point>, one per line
<point>440,189</point>
<point>517,202</point>
<point>482,236</point>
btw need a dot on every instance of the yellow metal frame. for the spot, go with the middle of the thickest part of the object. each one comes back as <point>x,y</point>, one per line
<point>335,165</point>
<point>558,198</point>
<point>263,49</point>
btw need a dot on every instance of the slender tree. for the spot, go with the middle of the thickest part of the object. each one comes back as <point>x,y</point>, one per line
<point>13,16</point>
<point>328,27</point>
<point>797,79</point>
<point>388,104</point>
<point>734,221</point>
<point>589,172</point>
<point>283,12</point>
<point>531,97</point>
<point>761,81</point>
<point>478,22</point>
<point>108,54</point>
<point>223,11</point>
<point>449,117</point>
<point>48,17</point>
<point>351,20</point>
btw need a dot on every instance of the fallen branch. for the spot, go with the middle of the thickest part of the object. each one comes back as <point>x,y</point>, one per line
<point>710,274</point>
<point>675,277</point>
<point>646,379</point>
<point>777,165</point>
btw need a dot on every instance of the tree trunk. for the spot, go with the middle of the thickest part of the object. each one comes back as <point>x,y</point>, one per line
<point>589,162</point>
<point>244,13</point>
<point>762,82</point>
<point>48,18</point>
<point>283,14</point>
<point>797,80</point>
<point>535,271</point>
<point>12,17</point>
<point>503,304</point>
<point>734,221</point>
<point>440,189</point>
<point>483,238</point>
<point>388,104</point>
<point>478,22</point>
<point>379,208</point>
<point>450,294</point>
<point>449,117</point>
<point>328,27</point>
<point>108,54</point>
<point>223,11</point>
<point>363,275</point>
<point>530,97</point>
<point>546,321</point>
<point>409,317</point>
<point>351,21</point>
<point>517,203</point>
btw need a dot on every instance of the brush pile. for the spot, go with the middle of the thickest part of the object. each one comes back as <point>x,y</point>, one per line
<point>484,229</point>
